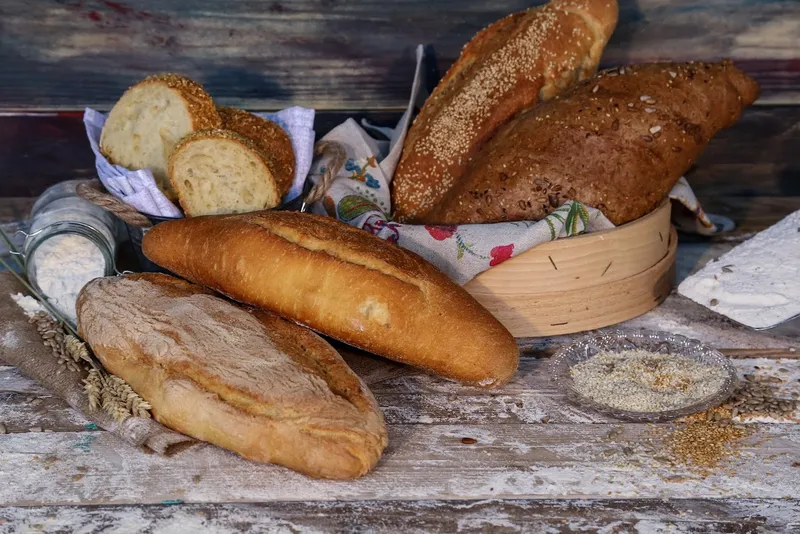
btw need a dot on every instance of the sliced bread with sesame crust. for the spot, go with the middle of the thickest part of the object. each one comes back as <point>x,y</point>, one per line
<point>219,171</point>
<point>151,118</point>
<point>273,141</point>
<point>516,62</point>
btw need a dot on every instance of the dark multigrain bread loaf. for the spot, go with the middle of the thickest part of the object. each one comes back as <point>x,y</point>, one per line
<point>618,142</point>
<point>514,63</point>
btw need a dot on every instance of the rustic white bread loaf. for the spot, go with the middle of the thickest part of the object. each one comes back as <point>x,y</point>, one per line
<point>343,282</point>
<point>240,378</point>
<point>151,118</point>
<point>219,171</point>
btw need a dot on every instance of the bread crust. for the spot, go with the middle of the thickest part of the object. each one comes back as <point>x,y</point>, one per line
<point>343,282</point>
<point>198,102</point>
<point>618,142</point>
<point>240,378</point>
<point>218,134</point>
<point>511,65</point>
<point>273,141</point>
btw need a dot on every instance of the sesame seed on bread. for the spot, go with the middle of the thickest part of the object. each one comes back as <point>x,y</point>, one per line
<point>273,141</point>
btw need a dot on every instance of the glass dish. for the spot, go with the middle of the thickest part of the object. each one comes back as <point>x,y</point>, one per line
<point>660,342</point>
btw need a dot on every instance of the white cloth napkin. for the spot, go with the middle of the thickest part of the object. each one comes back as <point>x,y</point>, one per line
<point>758,282</point>
<point>138,187</point>
<point>360,197</point>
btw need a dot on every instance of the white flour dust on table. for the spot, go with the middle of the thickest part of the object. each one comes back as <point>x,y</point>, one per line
<point>641,381</point>
<point>63,265</point>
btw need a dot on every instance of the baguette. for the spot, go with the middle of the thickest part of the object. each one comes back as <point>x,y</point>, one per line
<point>511,65</point>
<point>618,142</point>
<point>220,171</point>
<point>243,379</point>
<point>150,119</point>
<point>342,282</point>
<point>273,141</point>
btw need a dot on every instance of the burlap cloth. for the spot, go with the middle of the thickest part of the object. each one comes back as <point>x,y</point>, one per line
<point>21,346</point>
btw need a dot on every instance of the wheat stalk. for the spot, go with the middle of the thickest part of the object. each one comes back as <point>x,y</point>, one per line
<point>112,404</point>
<point>104,390</point>
<point>78,351</point>
<point>93,387</point>
<point>133,402</point>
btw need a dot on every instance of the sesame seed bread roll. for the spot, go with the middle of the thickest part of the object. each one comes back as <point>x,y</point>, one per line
<point>618,143</point>
<point>342,282</point>
<point>516,62</point>
<point>243,379</point>
<point>151,118</point>
<point>219,171</point>
<point>273,141</point>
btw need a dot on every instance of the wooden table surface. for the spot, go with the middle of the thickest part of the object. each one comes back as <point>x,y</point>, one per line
<point>531,461</point>
<point>519,458</point>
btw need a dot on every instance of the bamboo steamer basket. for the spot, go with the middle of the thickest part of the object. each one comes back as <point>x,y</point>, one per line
<point>583,282</point>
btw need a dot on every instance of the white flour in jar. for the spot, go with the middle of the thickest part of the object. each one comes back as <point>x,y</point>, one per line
<point>63,265</point>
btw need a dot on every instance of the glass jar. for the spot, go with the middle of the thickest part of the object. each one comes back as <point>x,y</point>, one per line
<point>70,242</point>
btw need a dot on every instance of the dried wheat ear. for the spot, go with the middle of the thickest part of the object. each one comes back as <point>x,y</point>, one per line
<point>104,390</point>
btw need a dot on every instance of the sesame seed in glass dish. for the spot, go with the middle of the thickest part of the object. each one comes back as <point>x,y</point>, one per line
<point>643,376</point>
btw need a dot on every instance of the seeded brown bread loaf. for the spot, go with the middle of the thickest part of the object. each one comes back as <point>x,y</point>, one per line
<point>618,142</point>
<point>343,282</point>
<point>509,66</point>
<point>273,141</point>
<point>240,378</point>
<point>150,119</point>
<point>219,171</point>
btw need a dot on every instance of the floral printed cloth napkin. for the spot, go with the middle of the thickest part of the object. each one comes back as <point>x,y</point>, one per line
<point>360,197</point>
<point>138,188</point>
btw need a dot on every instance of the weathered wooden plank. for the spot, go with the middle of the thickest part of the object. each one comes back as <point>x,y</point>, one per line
<point>422,462</point>
<point>65,54</point>
<point>405,395</point>
<point>552,516</point>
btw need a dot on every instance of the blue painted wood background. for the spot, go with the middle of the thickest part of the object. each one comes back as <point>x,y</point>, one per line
<point>340,54</point>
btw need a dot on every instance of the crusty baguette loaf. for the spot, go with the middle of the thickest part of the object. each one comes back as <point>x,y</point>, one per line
<point>509,66</point>
<point>151,117</point>
<point>618,142</point>
<point>343,282</point>
<point>273,141</point>
<point>219,171</point>
<point>240,378</point>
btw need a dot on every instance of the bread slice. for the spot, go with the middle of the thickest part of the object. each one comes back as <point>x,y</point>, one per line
<point>151,118</point>
<point>239,378</point>
<point>342,282</point>
<point>219,171</point>
<point>273,141</point>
